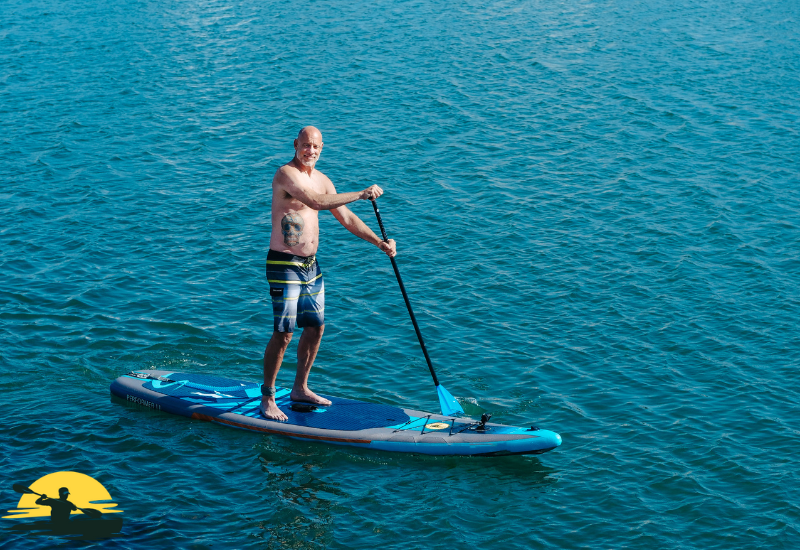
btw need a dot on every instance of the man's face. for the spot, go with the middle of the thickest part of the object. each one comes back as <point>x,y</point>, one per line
<point>308,148</point>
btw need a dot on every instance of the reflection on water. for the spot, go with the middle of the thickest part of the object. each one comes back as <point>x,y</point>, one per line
<point>301,502</point>
<point>310,485</point>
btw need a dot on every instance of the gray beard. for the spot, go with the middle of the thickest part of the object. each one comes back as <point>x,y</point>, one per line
<point>309,163</point>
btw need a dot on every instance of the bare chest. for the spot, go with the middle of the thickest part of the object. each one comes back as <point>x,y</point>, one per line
<point>288,202</point>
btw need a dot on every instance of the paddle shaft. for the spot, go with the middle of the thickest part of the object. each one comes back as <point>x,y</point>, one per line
<point>405,297</point>
<point>19,488</point>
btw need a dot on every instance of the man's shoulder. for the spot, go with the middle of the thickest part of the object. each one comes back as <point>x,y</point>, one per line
<point>284,175</point>
<point>289,173</point>
<point>290,170</point>
<point>286,170</point>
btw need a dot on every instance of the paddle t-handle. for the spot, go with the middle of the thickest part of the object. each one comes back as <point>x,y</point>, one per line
<point>447,402</point>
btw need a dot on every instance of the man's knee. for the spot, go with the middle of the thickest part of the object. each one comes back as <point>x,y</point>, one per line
<point>282,338</point>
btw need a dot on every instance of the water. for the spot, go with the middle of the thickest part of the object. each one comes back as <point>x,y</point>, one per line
<point>596,206</point>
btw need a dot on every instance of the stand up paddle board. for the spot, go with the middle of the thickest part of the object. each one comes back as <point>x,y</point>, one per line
<point>235,403</point>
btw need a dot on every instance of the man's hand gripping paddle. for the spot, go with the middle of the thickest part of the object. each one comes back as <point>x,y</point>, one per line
<point>448,403</point>
<point>91,512</point>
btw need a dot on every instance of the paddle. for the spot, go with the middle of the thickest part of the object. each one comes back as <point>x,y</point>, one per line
<point>448,403</point>
<point>91,512</point>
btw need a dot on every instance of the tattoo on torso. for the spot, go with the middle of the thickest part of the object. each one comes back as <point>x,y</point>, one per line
<point>292,228</point>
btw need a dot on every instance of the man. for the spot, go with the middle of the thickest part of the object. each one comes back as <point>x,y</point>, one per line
<point>61,507</point>
<point>299,192</point>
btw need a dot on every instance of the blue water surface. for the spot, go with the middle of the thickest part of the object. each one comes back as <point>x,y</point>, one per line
<point>596,206</point>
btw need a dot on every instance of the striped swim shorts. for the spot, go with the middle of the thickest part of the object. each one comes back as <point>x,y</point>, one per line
<point>297,291</point>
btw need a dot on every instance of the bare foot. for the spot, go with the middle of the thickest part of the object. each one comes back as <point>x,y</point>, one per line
<point>270,410</point>
<point>308,396</point>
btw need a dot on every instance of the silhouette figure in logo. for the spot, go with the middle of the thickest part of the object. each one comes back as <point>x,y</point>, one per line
<point>61,507</point>
<point>90,526</point>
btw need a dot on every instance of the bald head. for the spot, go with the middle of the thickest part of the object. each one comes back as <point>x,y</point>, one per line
<point>309,131</point>
<point>308,146</point>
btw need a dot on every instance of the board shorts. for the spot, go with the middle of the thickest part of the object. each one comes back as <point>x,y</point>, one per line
<point>297,291</point>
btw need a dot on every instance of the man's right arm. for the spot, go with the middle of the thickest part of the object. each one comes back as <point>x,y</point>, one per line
<point>321,201</point>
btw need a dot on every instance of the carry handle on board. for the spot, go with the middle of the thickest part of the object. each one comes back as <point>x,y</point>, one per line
<point>448,403</point>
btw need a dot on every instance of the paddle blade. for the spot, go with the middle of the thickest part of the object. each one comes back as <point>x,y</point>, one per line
<point>448,403</point>
<point>91,512</point>
<point>18,487</point>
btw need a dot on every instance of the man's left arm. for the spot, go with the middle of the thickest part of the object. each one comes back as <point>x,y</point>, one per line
<point>354,225</point>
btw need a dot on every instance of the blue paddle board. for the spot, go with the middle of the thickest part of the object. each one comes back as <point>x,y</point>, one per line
<point>235,403</point>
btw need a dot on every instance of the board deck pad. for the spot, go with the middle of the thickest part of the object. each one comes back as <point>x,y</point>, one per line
<point>345,421</point>
<point>232,396</point>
